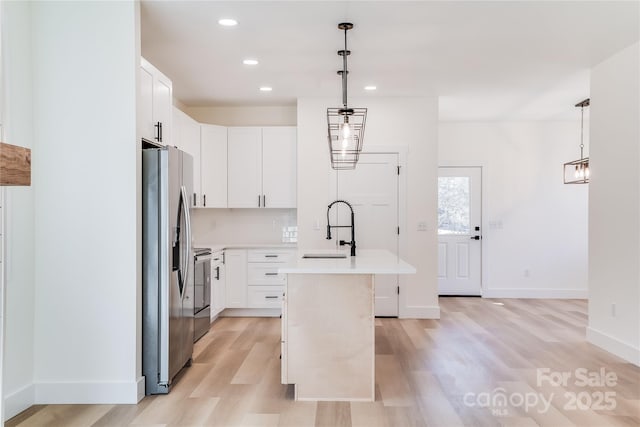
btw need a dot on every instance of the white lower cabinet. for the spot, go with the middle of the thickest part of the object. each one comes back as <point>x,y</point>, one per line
<point>218,284</point>
<point>266,285</point>
<point>265,296</point>
<point>265,274</point>
<point>252,278</point>
<point>236,278</point>
<point>284,350</point>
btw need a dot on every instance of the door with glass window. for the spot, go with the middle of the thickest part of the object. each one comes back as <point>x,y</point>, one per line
<point>459,230</point>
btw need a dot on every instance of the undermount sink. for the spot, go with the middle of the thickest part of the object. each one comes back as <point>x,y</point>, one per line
<point>326,256</point>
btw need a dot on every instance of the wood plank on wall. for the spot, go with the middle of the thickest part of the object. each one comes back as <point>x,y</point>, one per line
<point>15,165</point>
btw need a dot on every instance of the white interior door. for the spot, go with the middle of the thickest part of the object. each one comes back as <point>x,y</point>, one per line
<point>372,190</point>
<point>459,232</point>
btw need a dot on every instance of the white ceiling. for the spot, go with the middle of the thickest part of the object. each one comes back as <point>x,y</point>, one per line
<point>485,60</point>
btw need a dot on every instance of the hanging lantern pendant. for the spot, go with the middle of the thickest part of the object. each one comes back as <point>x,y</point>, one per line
<point>577,171</point>
<point>345,125</point>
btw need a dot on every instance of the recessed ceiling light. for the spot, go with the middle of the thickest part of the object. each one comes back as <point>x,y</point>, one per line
<point>498,303</point>
<point>228,22</point>
<point>370,88</point>
<point>250,62</point>
<point>266,89</point>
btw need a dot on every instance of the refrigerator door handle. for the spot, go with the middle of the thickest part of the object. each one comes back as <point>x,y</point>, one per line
<point>188,255</point>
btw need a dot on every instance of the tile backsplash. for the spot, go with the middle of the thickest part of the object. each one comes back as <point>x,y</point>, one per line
<point>239,226</point>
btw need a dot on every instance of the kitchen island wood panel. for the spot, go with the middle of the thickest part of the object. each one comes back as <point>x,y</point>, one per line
<point>328,323</point>
<point>330,328</point>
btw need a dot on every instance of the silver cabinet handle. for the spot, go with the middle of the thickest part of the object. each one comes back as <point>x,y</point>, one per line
<point>271,297</point>
<point>271,256</point>
<point>270,274</point>
<point>258,200</point>
<point>264,201</point>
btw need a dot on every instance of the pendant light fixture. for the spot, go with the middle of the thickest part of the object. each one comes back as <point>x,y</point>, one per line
<point>577,171</point>
<point>345,124</point>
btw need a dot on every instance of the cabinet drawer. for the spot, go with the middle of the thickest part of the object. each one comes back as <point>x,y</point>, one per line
<point>217,257</point>
<point>260,273</point>
<point>274,256</point>
<point>265,296</point>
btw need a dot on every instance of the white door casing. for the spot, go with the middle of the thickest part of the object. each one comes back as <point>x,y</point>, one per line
<point>372,190</point>
<point>459,225</point>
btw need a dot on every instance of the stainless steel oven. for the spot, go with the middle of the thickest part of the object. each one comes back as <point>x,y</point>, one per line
<point>202,292</point>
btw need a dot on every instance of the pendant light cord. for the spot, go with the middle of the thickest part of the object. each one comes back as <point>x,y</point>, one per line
<point>582,132</point>
<point>344,71</point>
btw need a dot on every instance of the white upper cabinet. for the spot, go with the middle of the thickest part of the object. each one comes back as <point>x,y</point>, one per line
<point>244,147</point>
<point>213,159</point>
<point>262,167</point>
<point>279,167</point>
<point>155,109</point>
<point>186,136</point>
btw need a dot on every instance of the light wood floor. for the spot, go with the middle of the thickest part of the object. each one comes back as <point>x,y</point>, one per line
<point>428,372</point>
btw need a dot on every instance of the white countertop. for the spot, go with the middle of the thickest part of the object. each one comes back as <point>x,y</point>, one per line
<point>219,247</point>
<point>366,261</point>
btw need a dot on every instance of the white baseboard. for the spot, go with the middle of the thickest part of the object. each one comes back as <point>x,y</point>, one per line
<point>18,401</point>
<point>420,312</point>
<point>614,346</point>
<point>141,385</point>
<point>250,312</point>
<point>535,293</point>
<point>89,393</point>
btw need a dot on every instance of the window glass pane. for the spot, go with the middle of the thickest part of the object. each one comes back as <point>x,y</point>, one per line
<point>453,205</point>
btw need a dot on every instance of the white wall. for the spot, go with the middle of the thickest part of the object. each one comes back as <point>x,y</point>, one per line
<point>240,226</point>
<point>85,174</point>
<point>409,123</point>
<point>614,208</point>
<point>18,392</point>
<point>531,220</point>
<point>244,116</point>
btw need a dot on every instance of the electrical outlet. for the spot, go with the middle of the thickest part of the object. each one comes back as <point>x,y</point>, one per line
<point>316,225</point>
<point>613,310</point>
<point>422,226</point>
<point>526,272</point>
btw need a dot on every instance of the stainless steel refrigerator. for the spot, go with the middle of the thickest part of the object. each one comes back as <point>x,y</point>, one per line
<point>167,261</point>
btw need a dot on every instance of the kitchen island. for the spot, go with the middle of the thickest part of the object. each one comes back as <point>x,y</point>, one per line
<point>328,330</point>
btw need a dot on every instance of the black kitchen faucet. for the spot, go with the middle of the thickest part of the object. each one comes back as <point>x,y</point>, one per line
<point>352,243</point>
